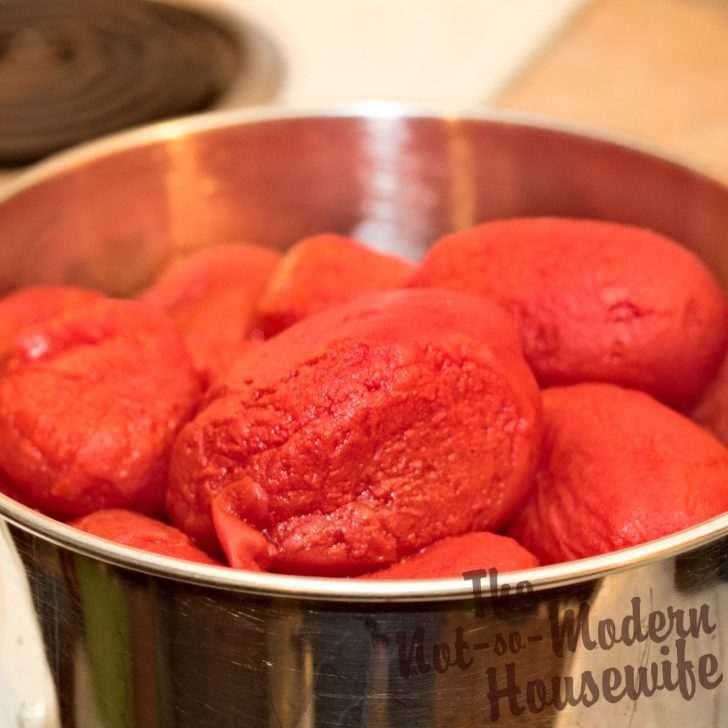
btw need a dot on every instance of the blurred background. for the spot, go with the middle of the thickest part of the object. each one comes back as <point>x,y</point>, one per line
<point>72,70</point>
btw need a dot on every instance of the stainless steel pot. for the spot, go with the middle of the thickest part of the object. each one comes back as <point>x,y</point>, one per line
<point>128,639</point>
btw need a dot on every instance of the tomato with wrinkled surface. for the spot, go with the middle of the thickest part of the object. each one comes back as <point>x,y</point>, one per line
<point>90,403</point>
<point>362,434</point>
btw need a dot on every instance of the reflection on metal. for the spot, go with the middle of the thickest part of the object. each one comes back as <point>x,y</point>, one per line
<point>27,694</point>
<point>179,645</point>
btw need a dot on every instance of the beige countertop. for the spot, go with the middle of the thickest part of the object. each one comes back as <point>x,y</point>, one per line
<point>656,69</point>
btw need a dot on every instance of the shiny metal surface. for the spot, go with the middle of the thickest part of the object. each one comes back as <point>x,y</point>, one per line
<point>132,639</point>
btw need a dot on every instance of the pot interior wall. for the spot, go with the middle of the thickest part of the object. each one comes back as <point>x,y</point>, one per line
<point>396,182</point>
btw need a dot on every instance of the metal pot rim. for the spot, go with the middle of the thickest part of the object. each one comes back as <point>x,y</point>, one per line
<point>212,120</point>
<point>353,590</point>
<point>329,589</point>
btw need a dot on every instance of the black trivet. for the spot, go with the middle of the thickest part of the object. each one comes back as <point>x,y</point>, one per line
<point>71,70</point>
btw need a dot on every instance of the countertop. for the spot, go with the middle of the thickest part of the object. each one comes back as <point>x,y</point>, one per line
<point>655,69</point>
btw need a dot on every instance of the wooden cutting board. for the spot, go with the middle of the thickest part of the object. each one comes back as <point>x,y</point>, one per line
<point>656,69</point>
